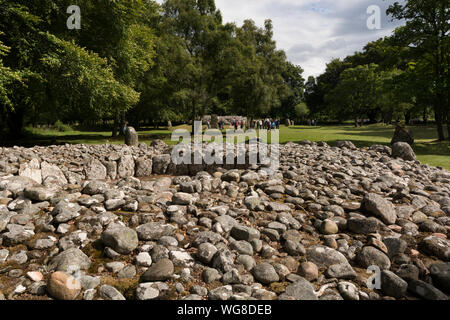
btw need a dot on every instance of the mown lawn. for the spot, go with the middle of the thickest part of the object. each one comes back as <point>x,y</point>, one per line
<point>428,150</point>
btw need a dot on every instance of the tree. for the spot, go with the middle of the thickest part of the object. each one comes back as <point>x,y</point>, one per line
<point>7,76</point>
<point>82,83</point>
<point>318,88</point>
<point>356,94</point>
<point>196,22</point>
<point>427,33</point>
<point>290,105</point>
<point>314,97</point>
<point>259,82</point>
<point>301,111</point>
<point>60,79</point>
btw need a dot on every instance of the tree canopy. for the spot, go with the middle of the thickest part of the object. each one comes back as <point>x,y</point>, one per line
<point>138,61</point>
<point>397,78</point>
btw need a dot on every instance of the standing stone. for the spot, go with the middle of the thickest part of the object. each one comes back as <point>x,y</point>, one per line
<point>287,123</point>
<point>169,124</point>
<point>402,134</point>
<point>131,137</point>
<point>214,121</point>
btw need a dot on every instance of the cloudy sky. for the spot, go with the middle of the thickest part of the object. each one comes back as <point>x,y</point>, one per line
<point>312,32</point>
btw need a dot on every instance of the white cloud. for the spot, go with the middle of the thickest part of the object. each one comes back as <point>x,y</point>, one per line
<point>312,32</point>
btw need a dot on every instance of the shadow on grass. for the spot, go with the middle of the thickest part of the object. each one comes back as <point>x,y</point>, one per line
<point>421,149</point>
<point>33,139</point>
<point>418,132</point>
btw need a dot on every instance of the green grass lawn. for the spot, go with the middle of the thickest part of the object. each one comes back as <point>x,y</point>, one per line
<point>428,150</point>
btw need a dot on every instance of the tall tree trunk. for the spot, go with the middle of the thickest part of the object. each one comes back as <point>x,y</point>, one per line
<point>440,128</point>
<point>194,115</point>
<point>15,122</point>
<point>122,123</point>
<point>407,117</point>
<point>447,120</point>
<point>448,129</point>
<point>425,116</point>
<point>116,124</point>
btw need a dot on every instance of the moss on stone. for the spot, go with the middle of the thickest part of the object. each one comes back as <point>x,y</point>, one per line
<point>278,287</point>
<point>125,286</point>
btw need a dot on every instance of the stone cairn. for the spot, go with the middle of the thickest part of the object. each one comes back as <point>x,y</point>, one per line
<point>117,222</point>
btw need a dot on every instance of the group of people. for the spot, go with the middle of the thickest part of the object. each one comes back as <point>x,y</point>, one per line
<point>312,122</point>
<point>267,124</point>
<point>238,124</point>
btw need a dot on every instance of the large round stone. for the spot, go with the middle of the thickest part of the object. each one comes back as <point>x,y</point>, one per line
<point>301,290</point>
<point>121,239</point>
<point>370,256</point>
<point>324,257</point>
<point>159,271</point>
<point>63,286</point>
<point>265,273</point>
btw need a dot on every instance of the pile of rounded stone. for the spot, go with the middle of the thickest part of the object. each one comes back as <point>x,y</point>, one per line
<point>117,222</point>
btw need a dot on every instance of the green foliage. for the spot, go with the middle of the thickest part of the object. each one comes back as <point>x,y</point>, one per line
<point>136,61</point>
<point>79,78</point>
<point>357,92</point>
<point>396,78</point>
<point>7,77</point>
<point>301,111</point>
<point>61,127</point>
<point>427,35</point>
